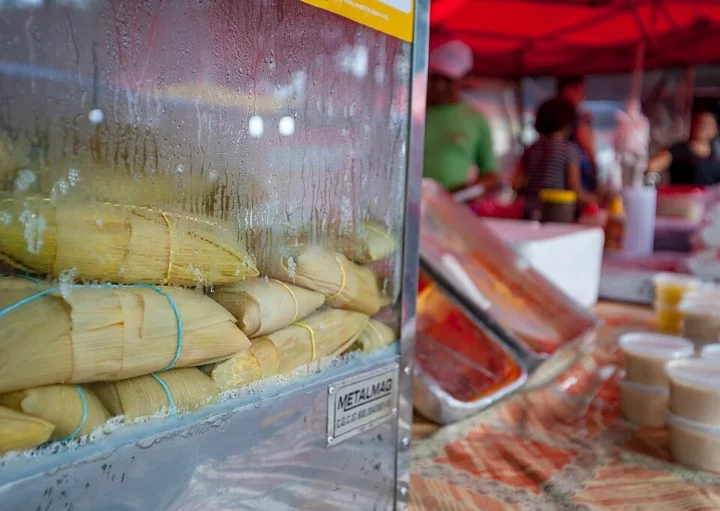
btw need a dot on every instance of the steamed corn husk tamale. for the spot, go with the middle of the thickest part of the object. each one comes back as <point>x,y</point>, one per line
<point>374,336</point>
<point>62,406</point>
<point>122,244</point>
<point>103,333</point>
<point>370,243</point>
<point>319,335</point>
<point>345,284</point>
<point>145,396</point>
<point>19,431</point>
<point>264,305</point>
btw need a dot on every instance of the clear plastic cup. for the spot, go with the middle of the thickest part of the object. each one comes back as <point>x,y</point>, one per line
<point>646,353</point>
<point>711,352</point>
<point>694,444</point>
<point>695,389</point>
<point>700,321</point>
<point>669,319</point>
<point>670,288</point>
<point>645,405</point>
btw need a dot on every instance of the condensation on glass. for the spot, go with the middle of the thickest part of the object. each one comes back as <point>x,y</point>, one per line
<point>189,193</point>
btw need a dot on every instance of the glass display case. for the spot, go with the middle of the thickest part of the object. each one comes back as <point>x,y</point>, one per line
<point>208,254</point>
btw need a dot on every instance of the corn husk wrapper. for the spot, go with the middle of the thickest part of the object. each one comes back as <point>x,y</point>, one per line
<point>263,305</point>
<point>144,396</point>
<point>284,351</point>
<point>374,336</point>
<point>20,283</point>
<point>371,243</point>
<point>101,334</point>
<point>61,406</point>
<point>19,431</point>
<point>121,244</point>
<point>345,285</point>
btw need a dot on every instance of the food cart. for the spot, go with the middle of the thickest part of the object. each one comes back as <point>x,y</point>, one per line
<point>203,205</point>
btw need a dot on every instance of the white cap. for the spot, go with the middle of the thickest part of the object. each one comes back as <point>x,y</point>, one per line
<point>453,59</point>
<point>696,372</point>
<point>663,347</point>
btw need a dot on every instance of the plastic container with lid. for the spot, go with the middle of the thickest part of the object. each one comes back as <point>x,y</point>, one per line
<point>646,353</point>
<point>700,321</point>
<point>670,288</point>
<point>695,389</point>
<point>694,444</point>
<point>645,405</point>
<point>687,202</point>
<point>558,206</point>
<point>711,352</point>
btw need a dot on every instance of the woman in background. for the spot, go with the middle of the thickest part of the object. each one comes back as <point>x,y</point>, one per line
<point>694,162</point>
<point>552,162</point>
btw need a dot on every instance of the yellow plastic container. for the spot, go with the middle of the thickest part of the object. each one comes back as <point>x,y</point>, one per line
<point>670,288</point>
<point>669,319</point>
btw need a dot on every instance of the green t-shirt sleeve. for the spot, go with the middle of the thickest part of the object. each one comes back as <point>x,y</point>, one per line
<point>484,154</point>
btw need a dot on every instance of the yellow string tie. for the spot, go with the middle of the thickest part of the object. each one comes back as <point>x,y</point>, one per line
<point>374,329</point>
<point>312,338</point>
<point>343,279</point>
<point>170,240</point>
<point>297,307</point>
<point>379,231</point>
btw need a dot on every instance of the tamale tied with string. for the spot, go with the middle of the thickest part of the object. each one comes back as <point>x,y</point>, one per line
<point>19,431</point>
<point>321,334</point>
<point>166,393</point>
<point>120,244</point>
<point>264,305</point>
<point>345,284</point>
<point>371,243</point>
<point>74,410</point>
<point>375,335</point>
<point>108,333</point>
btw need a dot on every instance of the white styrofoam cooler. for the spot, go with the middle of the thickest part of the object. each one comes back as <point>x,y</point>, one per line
<point>569,255</point>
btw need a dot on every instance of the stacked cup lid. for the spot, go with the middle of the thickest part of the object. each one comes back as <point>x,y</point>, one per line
<point>644,392</point>
<point>694,415</point>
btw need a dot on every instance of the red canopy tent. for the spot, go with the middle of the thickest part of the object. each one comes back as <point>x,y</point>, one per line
<point>515,38</point>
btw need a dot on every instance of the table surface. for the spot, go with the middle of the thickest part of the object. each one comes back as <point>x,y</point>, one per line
<point>563,447</point>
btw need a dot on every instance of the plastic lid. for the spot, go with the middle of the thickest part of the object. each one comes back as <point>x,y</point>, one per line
<point>687,423</point>
<point>558,196</point>
<point>653,390</point>
<point>681,190</point>
<point>591,209</point>
<point>708,293</point>
<point>664,347</point>
<point>696,372</point>
<point>699,307</point>
<point>678,279</point>
<point>711,352</point>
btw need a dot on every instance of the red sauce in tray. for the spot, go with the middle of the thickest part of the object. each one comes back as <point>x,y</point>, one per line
<point>459,356</point>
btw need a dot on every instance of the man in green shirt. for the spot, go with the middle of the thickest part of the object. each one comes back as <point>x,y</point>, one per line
<point>458,138</point>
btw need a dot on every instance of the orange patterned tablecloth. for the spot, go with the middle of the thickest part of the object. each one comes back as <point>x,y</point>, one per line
<point>564,447</point>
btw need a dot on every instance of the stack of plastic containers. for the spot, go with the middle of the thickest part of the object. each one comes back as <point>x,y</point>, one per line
<point>694,414</point>
<point>670,289</point>
<point>644,392</point>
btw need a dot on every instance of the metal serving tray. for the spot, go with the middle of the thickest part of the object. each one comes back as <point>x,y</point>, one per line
<point>544,327</point>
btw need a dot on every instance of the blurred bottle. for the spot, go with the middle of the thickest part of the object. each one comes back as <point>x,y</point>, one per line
<point>615,228</point>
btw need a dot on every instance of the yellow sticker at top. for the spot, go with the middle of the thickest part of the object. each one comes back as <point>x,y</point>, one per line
<point>393,17</point>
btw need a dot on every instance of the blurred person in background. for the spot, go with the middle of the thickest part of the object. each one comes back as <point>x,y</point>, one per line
<point>696,161</point>
<point>458,138</point>
<point>553,161</point>
<point>572,89</point>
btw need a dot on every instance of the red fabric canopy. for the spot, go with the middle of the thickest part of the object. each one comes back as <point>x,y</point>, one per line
<point>514,38</point>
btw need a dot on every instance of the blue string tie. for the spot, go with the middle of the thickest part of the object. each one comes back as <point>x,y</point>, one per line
<point>173,410</point>
<point>84,418</point>
<point>173,305</point>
